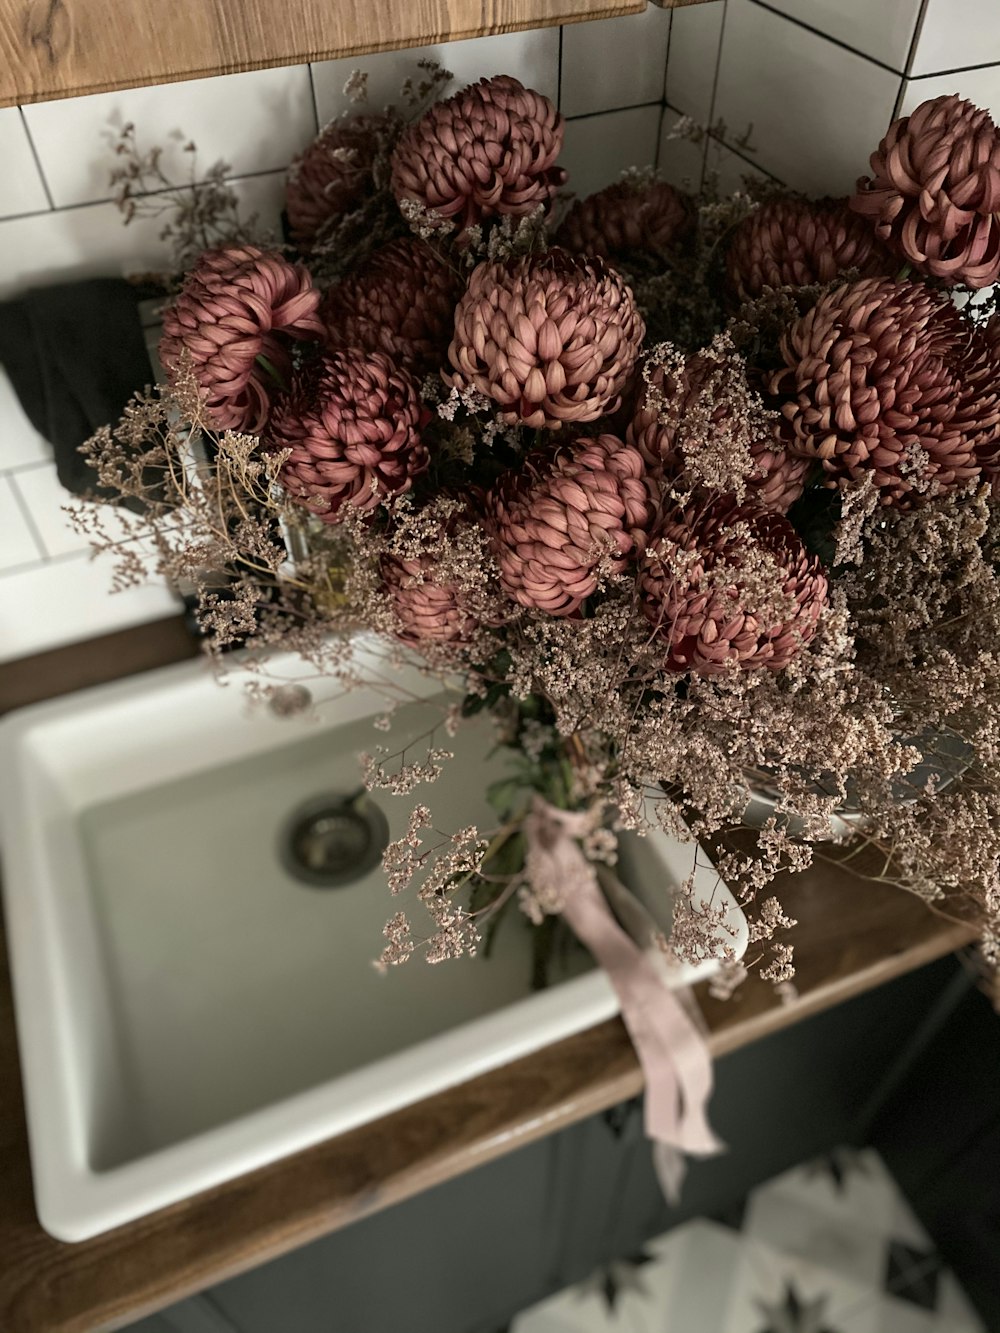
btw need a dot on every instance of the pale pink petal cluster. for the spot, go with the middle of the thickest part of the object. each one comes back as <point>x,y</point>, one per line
<point>888,378</point>
<point>731,587</point>
<point>566,518</point>
<point>401,301</point>
<point>934,191</point>
<point>551,339</point>
<point>352,424</point>
<point>487,152</point>
<point>795,242</point>
<point>238,309</point>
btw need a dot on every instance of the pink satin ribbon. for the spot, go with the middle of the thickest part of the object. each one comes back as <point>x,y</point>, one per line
<point>675,1060</point>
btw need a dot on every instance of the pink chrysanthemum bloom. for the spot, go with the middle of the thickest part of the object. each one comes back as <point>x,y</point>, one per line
<point>550,338</point>
<point>401,301</point>
<point>333,175</point>
<point>352,423</point>
<point>559,523</point>
<point>988,445</point>
<point>488,151</point>
<point>666,445</point>
<point>934,191</point>
<point>888,378</point>
<point>625,218</point>
<point>237,310</point>
<point>427,608</point>
<point>793,242</point>
<point>731,587</point>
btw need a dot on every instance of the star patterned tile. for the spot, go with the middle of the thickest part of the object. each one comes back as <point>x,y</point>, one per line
<point>829,1247</point>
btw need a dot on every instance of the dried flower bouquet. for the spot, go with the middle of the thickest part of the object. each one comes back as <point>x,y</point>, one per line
<point>696,495</point>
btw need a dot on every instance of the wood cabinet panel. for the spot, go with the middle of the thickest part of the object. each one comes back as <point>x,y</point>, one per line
<point>62,48</point>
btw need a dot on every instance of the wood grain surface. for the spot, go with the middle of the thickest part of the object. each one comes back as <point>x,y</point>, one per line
<point>852,935</point>
<point>61,48</point>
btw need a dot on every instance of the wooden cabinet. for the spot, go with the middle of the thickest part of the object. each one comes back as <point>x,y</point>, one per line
<point>468,1255</point>
<point>61,48</point>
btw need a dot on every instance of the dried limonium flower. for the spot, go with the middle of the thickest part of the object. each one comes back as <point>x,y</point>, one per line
<point>889,377</point>
<point>934,191</point>
<point>698,422</point>
<point>488,151</point>
<point>351,424</point>
<point>334,175</point>
<point>795,242</point>
<point>436,568</point>
<point>562,522</point>
<point>401,301</point>
<point>730,587</point>
<point>551,339</point>
<point>632,216</point>
<point>233,319</point>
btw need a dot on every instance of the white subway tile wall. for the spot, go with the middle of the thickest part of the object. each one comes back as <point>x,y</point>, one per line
<point>818,80</point>
<point>814,109</point>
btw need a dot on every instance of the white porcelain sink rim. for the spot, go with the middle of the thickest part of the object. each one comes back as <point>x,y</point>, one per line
<point>73,1200</point>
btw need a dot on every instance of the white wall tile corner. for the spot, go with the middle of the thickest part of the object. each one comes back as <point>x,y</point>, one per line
<point>730,169</point>
<point>532,57</point>
<point>45,497</point>
<point>694,54</point>
<point>256,122</point>
<point>817,109</point>
<point>63,601</point>
<point>608,64</point>
<point>599,148</point>
<point>92,240</point>
<point>955,34</point>
<point>23,191</point>
<point>881,29</point>
<point>979,86</point>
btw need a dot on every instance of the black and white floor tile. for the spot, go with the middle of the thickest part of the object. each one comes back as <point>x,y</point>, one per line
<point>829,1247</point>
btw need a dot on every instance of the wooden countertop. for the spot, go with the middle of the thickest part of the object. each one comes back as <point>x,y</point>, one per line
<point>852,935</point>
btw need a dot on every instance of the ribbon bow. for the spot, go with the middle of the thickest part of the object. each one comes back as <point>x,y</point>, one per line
<point>675,1060</point>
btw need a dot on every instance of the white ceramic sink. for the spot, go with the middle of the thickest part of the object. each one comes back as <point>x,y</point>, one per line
<point>187,1010</point>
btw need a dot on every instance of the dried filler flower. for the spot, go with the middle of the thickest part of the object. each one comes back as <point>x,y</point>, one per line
<point>731,588</point>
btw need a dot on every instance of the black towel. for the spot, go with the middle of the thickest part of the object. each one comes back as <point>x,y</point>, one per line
<point>75,354</point>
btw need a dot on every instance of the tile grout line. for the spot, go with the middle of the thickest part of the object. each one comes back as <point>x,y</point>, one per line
<point>615,110</point>
<point>715,93</point>
<point>835,41</point>
<point>559,69</point>
<point>47,562</point>
<point>29,518</point>
<point>914,43</point>
<point>663,96</point>
<point>312,94</point>
<point>38,162</point>
<point>149,194</point>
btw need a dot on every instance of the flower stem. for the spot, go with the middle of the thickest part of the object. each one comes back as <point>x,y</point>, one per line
<point>272,370</point>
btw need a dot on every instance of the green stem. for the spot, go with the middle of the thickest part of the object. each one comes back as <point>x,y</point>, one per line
<point>904,272</point>
<point>272,370</point>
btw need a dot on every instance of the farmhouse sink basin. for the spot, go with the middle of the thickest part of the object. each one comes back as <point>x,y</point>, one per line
<point>190,1005</point>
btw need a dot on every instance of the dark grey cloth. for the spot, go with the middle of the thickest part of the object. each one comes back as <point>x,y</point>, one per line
<point>75,354</point>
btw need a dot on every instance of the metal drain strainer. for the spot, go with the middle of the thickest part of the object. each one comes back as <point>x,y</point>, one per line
<point>334,839</point>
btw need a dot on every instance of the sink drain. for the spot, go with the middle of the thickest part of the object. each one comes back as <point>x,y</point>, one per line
<point>333,840</point>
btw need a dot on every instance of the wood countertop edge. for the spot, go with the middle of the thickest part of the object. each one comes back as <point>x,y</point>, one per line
<point>855,935</point>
